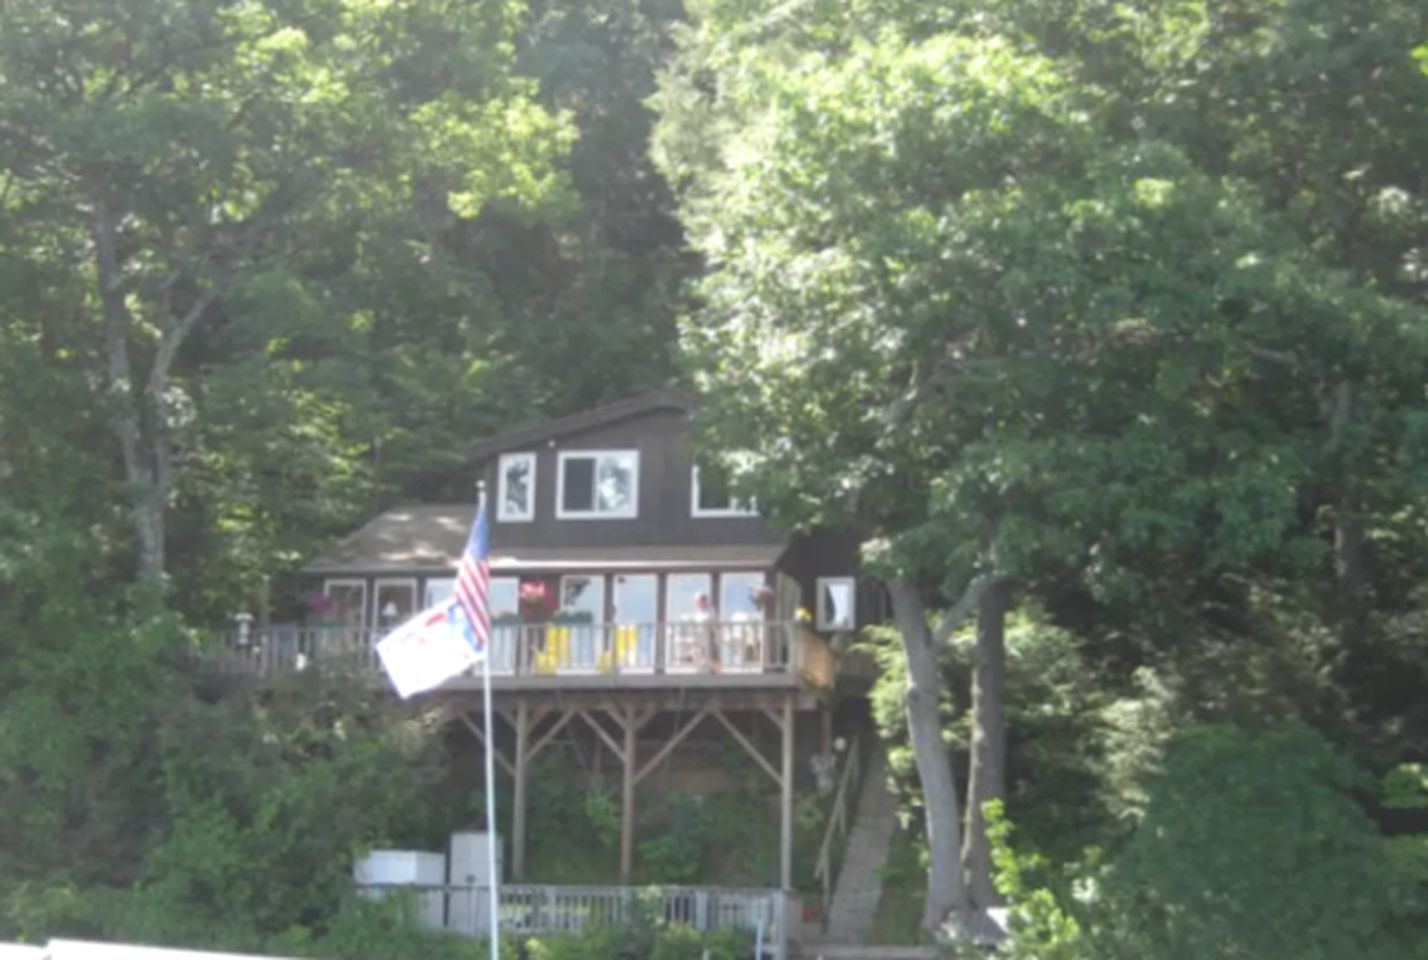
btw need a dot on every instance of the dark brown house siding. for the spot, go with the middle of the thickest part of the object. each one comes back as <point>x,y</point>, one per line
<point>664,513</point>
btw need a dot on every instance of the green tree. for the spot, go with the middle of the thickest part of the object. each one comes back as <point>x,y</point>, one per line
<point>963,300</point>
<point>168,153</point>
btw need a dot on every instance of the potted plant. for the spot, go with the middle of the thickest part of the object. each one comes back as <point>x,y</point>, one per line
<point>322,610</point>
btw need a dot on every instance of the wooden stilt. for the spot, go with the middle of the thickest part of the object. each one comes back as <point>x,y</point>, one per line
<point>627,800</point>
<point>518,805</point>
<point>786,801</point>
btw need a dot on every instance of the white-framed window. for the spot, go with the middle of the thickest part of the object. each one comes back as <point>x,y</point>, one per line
<point>711,498</point>
<point>597,484</point>
<point>741,596</point>
<point>515,487</point>
<point>347,601</point>
<point>837,603</point>
<point>393,602</point>
<point>504,597</point>
<point>438,590</point>
<point>580,593</point>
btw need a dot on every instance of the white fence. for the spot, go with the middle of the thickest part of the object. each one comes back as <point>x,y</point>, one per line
<point>538,909</point>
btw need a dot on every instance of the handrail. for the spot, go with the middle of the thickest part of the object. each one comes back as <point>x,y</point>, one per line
<point>546,649</point>
<point>838,823</point>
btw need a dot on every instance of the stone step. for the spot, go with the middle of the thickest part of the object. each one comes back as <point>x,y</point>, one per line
<point>860,883</point>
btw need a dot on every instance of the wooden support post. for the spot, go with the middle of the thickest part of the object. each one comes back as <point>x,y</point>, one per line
<point>786,801</point>
<point>518,804</point>
<point>627,800</point>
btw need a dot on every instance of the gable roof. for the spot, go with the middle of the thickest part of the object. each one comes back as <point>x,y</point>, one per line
<point>575,423</point>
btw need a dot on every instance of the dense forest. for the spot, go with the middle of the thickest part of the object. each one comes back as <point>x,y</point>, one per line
<point>1104,326</point>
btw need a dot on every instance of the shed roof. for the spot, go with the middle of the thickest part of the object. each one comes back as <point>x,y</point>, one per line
<point>430,538</point>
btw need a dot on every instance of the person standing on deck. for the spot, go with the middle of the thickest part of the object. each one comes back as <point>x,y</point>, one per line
<point>709,634</point>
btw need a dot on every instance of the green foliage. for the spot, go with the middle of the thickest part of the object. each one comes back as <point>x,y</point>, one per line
<point>384,930</point>
<point>1070,734</point>
<point>235,820</point>
<point>1251,845</point>
<point>904,877</point>
<point>643,939</point>
<point>677,854</point>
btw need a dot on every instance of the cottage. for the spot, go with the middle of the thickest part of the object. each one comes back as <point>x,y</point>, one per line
<point>632,597</point>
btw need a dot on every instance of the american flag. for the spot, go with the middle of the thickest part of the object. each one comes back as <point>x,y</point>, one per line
<point>473,580</point>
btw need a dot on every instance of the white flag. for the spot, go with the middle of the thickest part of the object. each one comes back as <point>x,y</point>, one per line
<point>426,651</point>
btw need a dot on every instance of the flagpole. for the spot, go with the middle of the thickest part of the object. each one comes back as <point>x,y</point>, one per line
<point>494,881</point>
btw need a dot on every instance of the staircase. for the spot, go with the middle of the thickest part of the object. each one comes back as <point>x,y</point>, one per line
<point>860,882</point>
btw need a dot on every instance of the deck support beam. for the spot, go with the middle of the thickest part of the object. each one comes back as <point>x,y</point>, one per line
<point>627,797</point>
<point>786,800</point>
<point>518,804</point>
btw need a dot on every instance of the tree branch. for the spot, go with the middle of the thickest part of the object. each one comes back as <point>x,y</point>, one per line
<point>950,621</point>
<point>903,408</point>
<point>1279,357</point>
<point>176,334</point>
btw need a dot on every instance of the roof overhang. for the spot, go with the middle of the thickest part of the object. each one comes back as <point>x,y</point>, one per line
<point>430,539</point>
<point>705,557</point>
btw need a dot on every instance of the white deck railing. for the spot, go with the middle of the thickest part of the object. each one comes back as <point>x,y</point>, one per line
<point>538,909</point>
<point>556,649</point>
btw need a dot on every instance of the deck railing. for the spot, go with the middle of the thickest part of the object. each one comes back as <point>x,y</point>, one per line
<point>562,649</point>
<point>537,909</point>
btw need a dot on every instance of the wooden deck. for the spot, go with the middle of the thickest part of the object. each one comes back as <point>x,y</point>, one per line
<point>740,655</point>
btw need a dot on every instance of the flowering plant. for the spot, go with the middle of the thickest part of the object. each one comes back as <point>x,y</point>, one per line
<point>320,604</point>
<point>535,601</point>
<point>802,615</point>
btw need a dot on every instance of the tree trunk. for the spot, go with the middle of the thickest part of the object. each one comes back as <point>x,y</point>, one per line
<point>1350,561</point>
<point>135,415</point>
<point>946,894</point>
<point>986,778</point>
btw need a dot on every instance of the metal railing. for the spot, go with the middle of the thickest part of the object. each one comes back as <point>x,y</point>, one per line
<point>560,649</point>
<point>840,820</point>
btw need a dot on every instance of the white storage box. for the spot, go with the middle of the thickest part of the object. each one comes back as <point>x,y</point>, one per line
<point>383,872</point>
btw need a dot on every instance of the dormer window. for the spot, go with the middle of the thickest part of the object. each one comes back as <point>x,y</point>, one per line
<point>711,497</point>
<point>598,485</point>
<point>515,487</point>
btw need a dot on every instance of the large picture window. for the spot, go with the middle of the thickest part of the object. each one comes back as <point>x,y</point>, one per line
<point>598,484</point>
<point>515,487</point>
